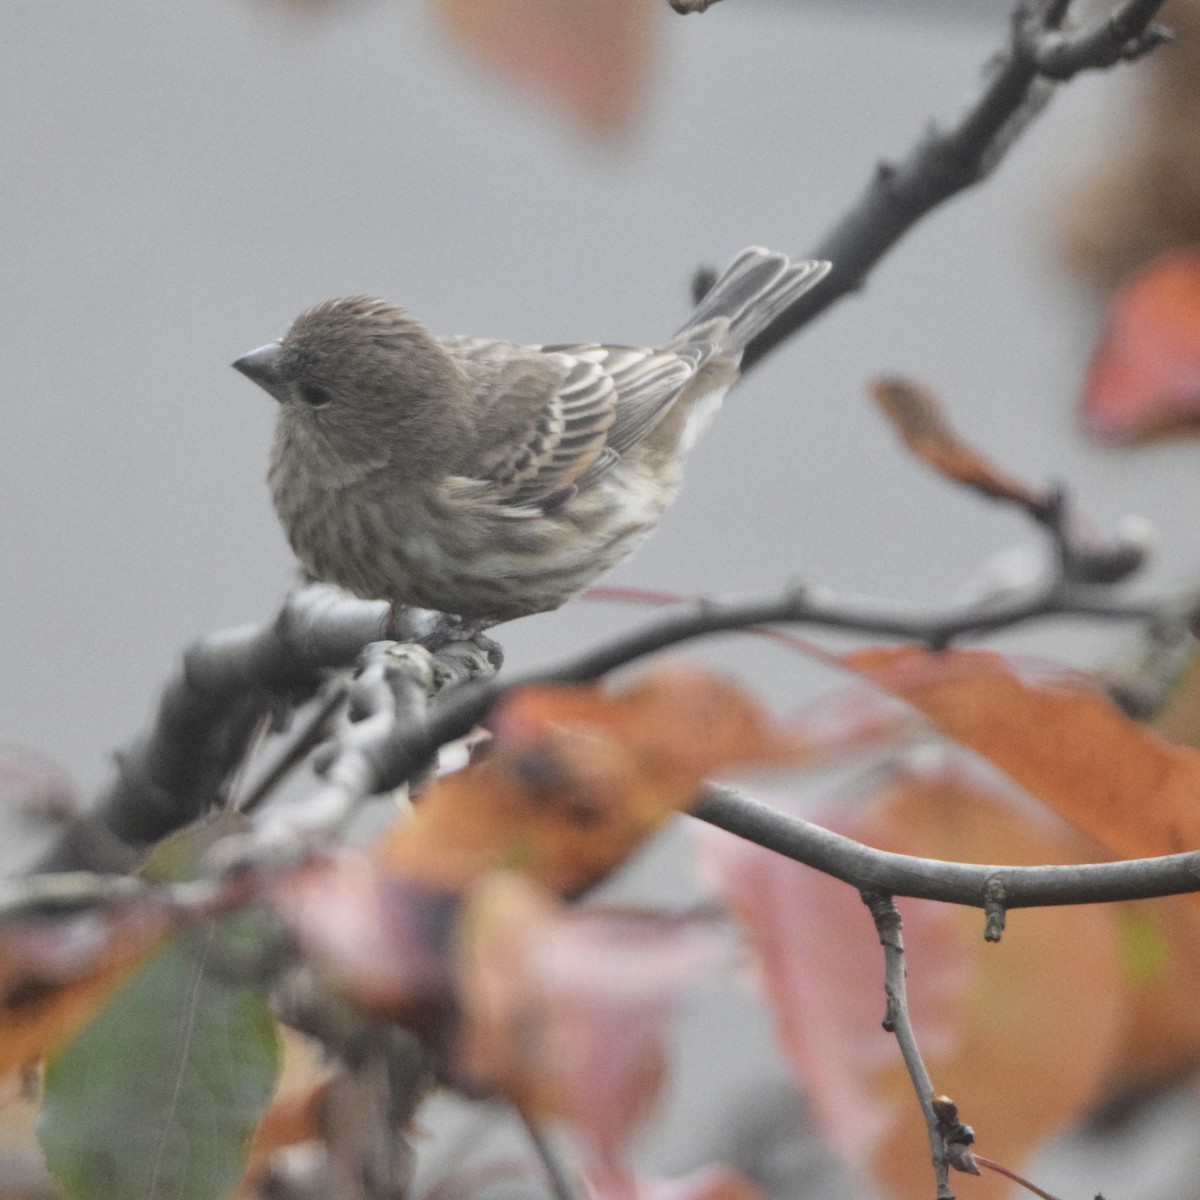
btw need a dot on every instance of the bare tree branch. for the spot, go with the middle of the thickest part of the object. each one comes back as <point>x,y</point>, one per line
<point>898,1022</point>
<point>991,888</point>
<point>994,889</point>
<point>1122,36</point>
<point>948,159</point>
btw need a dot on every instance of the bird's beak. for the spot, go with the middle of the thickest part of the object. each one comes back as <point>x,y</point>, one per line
<point>262,366</point>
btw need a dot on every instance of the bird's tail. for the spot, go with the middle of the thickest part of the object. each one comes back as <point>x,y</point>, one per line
<point>756,287</point>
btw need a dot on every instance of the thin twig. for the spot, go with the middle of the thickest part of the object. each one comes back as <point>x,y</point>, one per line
<point>1125,34</point>
<point>1017,1179</point>
<point>409,751</point>
<point>897,1021</point>
<point>556,1174</point>
<point>306,738</point>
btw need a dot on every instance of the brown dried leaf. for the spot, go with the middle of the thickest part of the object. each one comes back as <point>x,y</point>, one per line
<point>578,777</point>
<point>917,417</point>
<point>296,1112</point>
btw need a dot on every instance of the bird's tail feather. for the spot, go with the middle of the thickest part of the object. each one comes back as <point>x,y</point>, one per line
<point>756,287</point>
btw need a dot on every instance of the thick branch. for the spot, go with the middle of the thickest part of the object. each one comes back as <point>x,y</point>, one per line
<point>210,709</point>
<point>392,689</point>
<point>990,888</point>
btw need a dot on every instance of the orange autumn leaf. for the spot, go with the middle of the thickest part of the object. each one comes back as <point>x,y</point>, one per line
<point>577,777</point>
<point>1068,745</point>
<point>918,418</point>
<point>1144,378</point>
<point>55,974</point>
<point>590,57</point>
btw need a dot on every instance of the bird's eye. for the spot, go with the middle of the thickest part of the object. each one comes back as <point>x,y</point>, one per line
<point>314,395</point>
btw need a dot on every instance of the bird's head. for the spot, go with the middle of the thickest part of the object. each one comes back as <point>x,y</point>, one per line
<point>354,369</point>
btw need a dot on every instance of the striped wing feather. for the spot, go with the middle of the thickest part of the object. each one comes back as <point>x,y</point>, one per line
<point>558,418</point>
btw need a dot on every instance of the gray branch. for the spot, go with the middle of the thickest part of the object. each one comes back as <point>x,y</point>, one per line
<point>990,888</point>
<point>898,1022</point>
<point>209,711</point>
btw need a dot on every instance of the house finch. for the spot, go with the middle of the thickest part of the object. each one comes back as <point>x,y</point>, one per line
<point>485,479</point>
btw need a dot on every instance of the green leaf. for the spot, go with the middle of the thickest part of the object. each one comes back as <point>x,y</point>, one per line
<point>158,1097</point>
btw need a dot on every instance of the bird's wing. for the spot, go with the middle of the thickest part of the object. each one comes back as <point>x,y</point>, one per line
<point>553,419</point>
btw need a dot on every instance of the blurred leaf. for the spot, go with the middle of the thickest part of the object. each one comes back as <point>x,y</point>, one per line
<point>708,1183</point>
<point>56,972</point>
<point>589,57</point>
<point>564,1011</point>
<point>1069,746</point>
<point>385,940</point>
<point>578,776</point>
<point>1144,378</point>
<point>918,418</point>
<point>296,1112</point>
<point>1178,716</point>
<point>1019,1034</point>
<point>180,855</point>
<point>160,1094</point>
<point>32,783</point>
<point>1159,944</point>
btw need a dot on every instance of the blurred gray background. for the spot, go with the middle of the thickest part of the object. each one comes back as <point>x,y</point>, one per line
<point>178,180</point>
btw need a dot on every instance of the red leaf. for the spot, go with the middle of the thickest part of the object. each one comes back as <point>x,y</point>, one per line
<point>1144,378</point>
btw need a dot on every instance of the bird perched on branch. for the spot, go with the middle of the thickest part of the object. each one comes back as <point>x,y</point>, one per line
<point>485,479</point>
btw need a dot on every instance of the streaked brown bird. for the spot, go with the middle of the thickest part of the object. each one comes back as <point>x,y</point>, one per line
<point>485,479</point>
